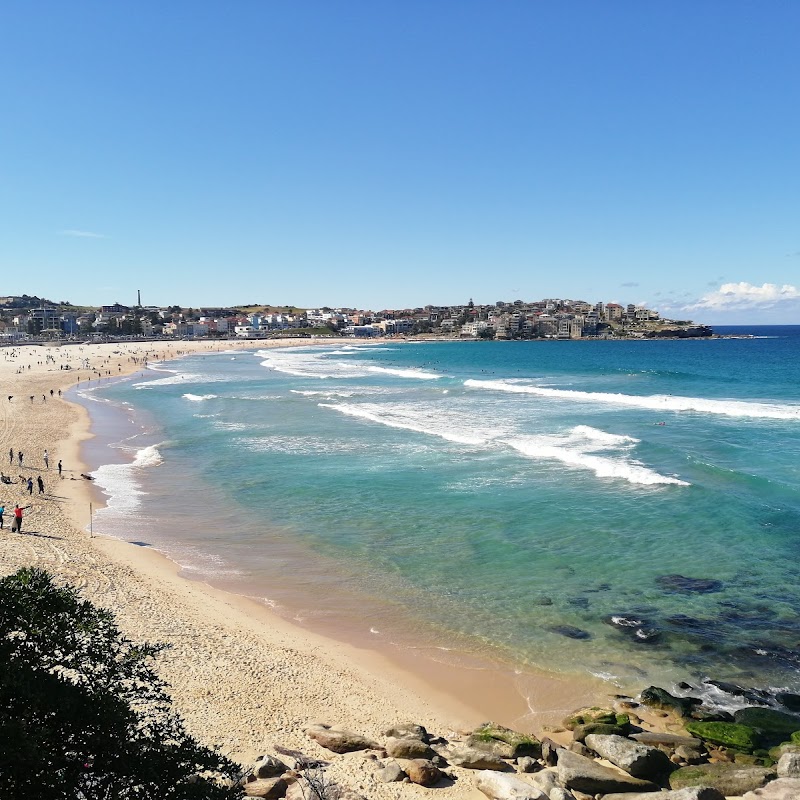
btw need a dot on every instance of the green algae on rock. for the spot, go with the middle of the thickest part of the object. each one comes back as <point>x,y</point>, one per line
<point>727,734</point>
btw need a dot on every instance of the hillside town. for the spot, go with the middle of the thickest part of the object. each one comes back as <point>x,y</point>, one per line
<point>25,318</point>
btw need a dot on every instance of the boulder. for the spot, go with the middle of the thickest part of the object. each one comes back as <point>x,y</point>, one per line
<point>580,748</point>
<point>680,584</point>
<point>391,772</point>
<point>561,794</point>
<point>690,793</point>
<point>339,740</point>
<point>656,697</point>
<point>470,758</point>
<point>268,767</point>
<point>527,764</point>
<point>782,789</point>
<point>549,748</point>
<point>735,690</point>
<point>789,700</point>
<point>789,765</point>
<point>408,748</point>
<point>775,753</point>
<point>407,730</point>
<point>504,742</point>
<point>710,715</point>
<point>689,755</point>
<point>639,760</point>
<point>570,631</point>
<point>726,734</point>
<point>580,732</point>
<point>585,775</point>
<point>730,779</point>
<point>267,788</point>
<point>506,787</point>
<point>587,716</point>
<point>668,740</point>
<point>774,725</point>
<point>423,772</point>
<point>546,780</point>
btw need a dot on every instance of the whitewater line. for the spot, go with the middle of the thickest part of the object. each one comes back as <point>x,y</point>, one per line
<point>656,402</point>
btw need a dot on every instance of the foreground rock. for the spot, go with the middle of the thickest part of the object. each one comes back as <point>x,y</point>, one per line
<point>507,787</point>
<point>339,740</point>
<point>670,740</point>
<point>504,742</point>
<point>726,734</point>
<point>391,772</point>
<point>423,772</point>
<point>730,779</point>
<point>639,760</point>
<point>782,789</point>
<point>408,730</point>
<point>470,758</point>
<point>408,748</point>
<point>656,697</point>
<point>266,788</point>
<point>789,765</point>
<point>269,767</point>
<point>774,726</point>
<point>584,775</point>
<point>693,793</point>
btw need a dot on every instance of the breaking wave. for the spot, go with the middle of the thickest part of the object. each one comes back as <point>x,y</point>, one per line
<point>656,402</point>
<point>607,455</point>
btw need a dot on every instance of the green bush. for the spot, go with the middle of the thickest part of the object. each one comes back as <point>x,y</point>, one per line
<point>83,716</point>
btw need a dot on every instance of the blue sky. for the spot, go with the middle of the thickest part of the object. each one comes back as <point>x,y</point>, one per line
<point>391,154</point>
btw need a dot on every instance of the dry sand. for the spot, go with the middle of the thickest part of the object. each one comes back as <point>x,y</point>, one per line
<point>242,678</point>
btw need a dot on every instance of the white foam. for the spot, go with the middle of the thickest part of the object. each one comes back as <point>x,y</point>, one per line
<point>730,408</point>
<point>413,418</point>
<point>579,451</point>
<point>418,374</point>
<point>181,377</point>
<point>120,482</point>
<point>231,426</point>
<point>304,364</point>
<point>316,364</point>
<point>198,398</point>
<point>582,447</point>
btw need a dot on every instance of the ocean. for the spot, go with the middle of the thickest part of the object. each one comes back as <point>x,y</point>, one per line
<point>623,509</point>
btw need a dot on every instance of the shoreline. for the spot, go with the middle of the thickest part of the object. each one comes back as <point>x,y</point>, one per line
<point>256,661</point>
<point>497,687</point>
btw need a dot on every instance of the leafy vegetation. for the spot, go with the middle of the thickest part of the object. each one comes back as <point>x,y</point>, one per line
<point>83,716</point>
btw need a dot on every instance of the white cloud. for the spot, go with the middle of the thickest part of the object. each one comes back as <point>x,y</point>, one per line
<point>83,234</point>
<point>743,295</point>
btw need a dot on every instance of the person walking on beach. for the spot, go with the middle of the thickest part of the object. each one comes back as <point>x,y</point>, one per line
<point>2,511</point>
<point>59,467</point>
<point>41,484</point>
<point>11,456</point>
<point>16,526</point>
<point>30,485</point>
<point>46,460</point>
<point>19,456</point>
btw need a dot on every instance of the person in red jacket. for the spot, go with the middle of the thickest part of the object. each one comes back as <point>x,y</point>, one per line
<point>17,526</point>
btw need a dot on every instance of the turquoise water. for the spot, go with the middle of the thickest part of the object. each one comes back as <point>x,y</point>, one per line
<point>519,499</point>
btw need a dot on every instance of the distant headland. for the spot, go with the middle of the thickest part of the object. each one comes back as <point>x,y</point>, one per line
<point>29,318</point>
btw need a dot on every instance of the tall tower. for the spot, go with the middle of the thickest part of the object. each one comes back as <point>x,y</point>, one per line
<point>139,298</point>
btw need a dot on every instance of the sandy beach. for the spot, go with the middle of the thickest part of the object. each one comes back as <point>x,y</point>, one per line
<point>243,678</point>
